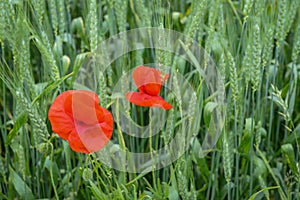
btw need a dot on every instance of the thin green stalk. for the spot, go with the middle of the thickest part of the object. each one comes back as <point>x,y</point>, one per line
<point>251,145</point>
<point>209,192</point>
<point>216,182</point>
<point>235,12</point>
<point>228,191</point>
<point>237,157</point>
<point>51,173</point>
<point>96,168</point>
<point>151,148</point>
<point>272,98</point>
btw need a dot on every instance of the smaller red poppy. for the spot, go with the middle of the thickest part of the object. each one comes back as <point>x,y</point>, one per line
<point>77,117</point>
<point>149,82</point>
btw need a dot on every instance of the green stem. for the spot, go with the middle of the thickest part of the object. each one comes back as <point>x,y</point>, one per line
<point>235,12</point>
<point>51,173</point>
<point>251,146</point>
<point>272,97</point>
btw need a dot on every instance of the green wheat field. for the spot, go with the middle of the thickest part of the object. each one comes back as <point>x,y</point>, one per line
<point>255,45</point>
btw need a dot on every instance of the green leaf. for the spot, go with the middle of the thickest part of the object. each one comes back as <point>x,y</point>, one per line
<point>20,186</point>
<point>173,194</point>
<point>246,139</point>
<point>201,162</point>
<point>257,193</point>
<point>260,167</point>
<point>208,109</point>
<point>282,194</point>
<point>65,63</point>
<point>68,39</point>
<point>292,138</point>
<point>96,192</point>
<point>193,59</point>
<point>77,64</point>
<point>51,86</point>
<point>137,178</point>
<point>39,87</point>
<point>288,151</point>
<point>20,121</point>
<point>77,25</point>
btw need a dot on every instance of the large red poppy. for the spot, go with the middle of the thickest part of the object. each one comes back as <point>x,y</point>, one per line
<point>77,117</point>
<point>149,82</point>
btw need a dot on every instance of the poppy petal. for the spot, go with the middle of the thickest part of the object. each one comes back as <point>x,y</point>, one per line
<point>142,99</point>
<point>76,144</point>
<point>62,123</point>
<point>84,107</point>
<point>108,123</point>
<point>95,137</point>
<point>76,116</point>
<point>147,79</point>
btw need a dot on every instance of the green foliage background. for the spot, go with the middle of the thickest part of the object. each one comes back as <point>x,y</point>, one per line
<point>255,44</point>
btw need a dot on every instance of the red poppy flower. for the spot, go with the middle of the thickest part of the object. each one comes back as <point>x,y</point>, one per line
<point>149,82</point>
<point>77,117</point>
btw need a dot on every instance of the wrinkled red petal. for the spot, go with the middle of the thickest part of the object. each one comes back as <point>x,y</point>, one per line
<point>142,99</point>
<point>76,144</point>
<point>62,123</point>
<point>95,137</point>
<point>76,116</point>
<point>108,123</point>
<point>148,80</point>
<point>84,107</point>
